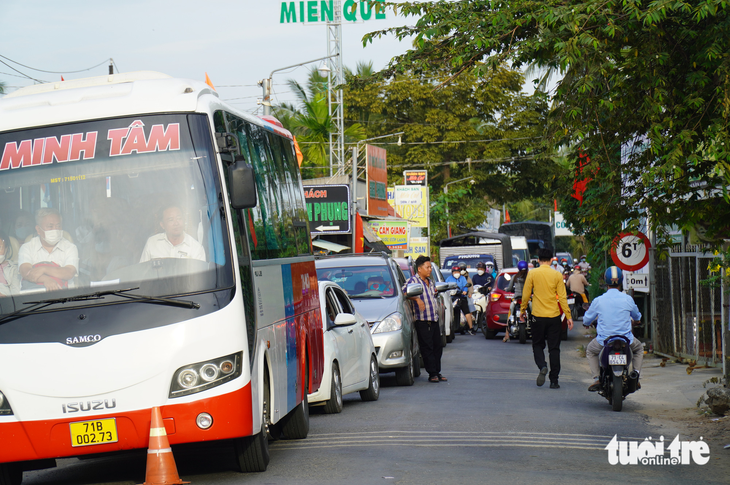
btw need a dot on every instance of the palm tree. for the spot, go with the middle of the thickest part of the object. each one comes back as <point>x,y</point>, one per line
<point>311,123</point>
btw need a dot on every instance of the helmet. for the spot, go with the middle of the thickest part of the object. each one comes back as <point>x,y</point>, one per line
<point>480,265</point>
<point>575,261</point>
<point>583,257</point>
<point>455,268</point>
<point>522,265</point>
<point>489,263</point>
<point>614,276</point>
<point>462,265</point>
<point>554,259</point>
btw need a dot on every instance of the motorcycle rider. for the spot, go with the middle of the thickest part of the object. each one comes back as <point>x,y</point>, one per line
<point>515,285</point>
<point>584,266</point>
<point>614,311</point>
<point>482,278</point>
<point>554,265</point>
<point>577,283</point>
<point>462,292</point>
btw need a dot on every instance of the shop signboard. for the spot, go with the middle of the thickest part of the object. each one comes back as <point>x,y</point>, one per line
<point>328,208</point>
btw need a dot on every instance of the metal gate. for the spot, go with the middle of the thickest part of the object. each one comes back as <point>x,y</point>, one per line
<point>689,311</point>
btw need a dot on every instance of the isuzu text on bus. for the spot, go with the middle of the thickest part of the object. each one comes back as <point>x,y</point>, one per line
<point>156,254</point>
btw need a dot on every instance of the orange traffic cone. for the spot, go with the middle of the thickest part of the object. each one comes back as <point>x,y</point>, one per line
<point>161,469</point>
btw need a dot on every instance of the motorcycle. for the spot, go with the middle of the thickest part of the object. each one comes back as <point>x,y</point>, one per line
<point>577,306</point>
<point>616,380</point>
<point>479,299</point>
<point>516,328</point>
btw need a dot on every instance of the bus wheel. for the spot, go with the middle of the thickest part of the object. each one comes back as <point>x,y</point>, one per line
<point>252,452</point>
<point>296,423</point>
<point>10,474</point>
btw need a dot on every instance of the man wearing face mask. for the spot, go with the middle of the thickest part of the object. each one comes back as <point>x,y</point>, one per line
<point>48,260</point>
<point>482,278</point>
<point>462,292</point>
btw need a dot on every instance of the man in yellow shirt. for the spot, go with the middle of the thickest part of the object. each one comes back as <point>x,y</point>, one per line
<point>548,296</point>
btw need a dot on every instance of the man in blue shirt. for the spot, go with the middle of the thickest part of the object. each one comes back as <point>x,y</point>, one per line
<point>462,292</point>
<point>614,311</point>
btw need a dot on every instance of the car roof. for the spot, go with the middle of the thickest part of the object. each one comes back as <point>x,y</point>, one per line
<point>347,261</point>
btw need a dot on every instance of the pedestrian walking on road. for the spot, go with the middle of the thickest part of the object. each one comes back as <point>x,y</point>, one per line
<point>548,297</point>
<point>426,319</point>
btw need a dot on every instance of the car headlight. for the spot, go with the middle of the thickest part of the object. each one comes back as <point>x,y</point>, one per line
<point>391,323</point>
<point>205,375</point>
<point>4,406</point>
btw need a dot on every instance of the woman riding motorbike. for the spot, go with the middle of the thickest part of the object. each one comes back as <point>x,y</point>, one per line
<point>516,285</point>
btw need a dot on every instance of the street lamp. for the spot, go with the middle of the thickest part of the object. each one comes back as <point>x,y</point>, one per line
<point>446,200</point>
<point>324,70</point>
<point>353,179</point>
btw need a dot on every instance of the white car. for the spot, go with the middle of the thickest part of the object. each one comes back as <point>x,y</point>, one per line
<point>350,361</point>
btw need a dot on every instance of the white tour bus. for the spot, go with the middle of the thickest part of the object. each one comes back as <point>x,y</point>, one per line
<point>157,253</point>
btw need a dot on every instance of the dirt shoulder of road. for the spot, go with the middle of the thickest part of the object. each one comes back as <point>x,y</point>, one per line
<point>668,398</point>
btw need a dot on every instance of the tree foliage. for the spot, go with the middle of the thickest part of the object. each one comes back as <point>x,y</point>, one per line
<point>483,127</point>
<point>644,94</point>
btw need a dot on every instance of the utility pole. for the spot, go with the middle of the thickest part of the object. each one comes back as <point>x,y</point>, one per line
<point>335,81</point>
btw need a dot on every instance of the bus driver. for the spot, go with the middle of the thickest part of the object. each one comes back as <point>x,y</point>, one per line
<point>174,242</point>
<point>48,260</point>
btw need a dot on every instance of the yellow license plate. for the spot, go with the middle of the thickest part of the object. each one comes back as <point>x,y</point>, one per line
<point>98,432</point>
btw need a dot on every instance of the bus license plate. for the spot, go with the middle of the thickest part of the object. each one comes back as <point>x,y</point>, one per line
<point>96,432</point>
<point>616,359</point>
<point>571,301</point>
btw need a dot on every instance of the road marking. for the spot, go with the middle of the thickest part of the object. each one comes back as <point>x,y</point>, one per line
<point>432,439</point>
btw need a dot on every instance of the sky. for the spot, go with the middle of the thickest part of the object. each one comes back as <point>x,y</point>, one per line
<point>237,42</point>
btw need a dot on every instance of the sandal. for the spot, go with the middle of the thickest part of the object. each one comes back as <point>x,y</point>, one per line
<point>433,379</point>
<point>442,378</point>
<point>506,338</point>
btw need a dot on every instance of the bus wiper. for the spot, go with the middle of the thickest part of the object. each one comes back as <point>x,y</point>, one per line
<point>98,295</point>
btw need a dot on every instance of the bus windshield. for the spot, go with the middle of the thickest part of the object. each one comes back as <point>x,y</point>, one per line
<point>111,204</point>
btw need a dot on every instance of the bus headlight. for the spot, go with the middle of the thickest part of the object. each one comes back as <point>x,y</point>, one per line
<point>391,323</point>
<point>4,406</point>
<point>205,375</point>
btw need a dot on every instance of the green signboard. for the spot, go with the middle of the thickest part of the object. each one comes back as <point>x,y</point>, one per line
<point>313,11</point>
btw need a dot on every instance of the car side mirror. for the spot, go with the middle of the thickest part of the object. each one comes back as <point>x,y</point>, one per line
<point>345,319</point>
<point>441,287</point>
<point>242,184</point>
<point>414,289</point>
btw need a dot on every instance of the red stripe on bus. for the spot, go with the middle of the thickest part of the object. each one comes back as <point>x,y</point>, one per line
<point>34,440</point>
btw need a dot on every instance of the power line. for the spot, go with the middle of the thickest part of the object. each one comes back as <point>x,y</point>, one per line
<point>23,74</point>
<point>54,72</point>
<point>461,162</point>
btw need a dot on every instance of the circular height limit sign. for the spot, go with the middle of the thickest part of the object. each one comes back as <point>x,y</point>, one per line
<point>630,251</point>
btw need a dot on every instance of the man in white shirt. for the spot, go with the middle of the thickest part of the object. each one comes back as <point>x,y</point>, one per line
<point>49,259</point>
<point>174,242</point>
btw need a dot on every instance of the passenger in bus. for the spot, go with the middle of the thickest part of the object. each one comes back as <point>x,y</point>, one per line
<point>49,260</point>
<point>9,276</point>
<point>173,242</point>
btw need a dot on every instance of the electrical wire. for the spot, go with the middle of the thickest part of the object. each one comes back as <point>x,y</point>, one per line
<point>24,74</point>
<point>53,72</point>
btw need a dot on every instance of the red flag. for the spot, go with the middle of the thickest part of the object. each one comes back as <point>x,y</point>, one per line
<point>62,79</point>
<point>506,216</point>
<point>359,238</point>
<point>556,204</point>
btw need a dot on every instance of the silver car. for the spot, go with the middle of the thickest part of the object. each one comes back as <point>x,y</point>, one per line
<point>373,282</point>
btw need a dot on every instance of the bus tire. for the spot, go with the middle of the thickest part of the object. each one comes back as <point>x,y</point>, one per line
<point>296,423</point>
<point>450,338</point>
<point>252,452</point>
<point>334,404</point>
<point>10,474</point>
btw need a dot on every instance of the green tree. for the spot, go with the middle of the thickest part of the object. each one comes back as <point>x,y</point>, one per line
<point>644,93</point>
<point>479,127</point>
<point>310,122</point>
<point>2,87</point>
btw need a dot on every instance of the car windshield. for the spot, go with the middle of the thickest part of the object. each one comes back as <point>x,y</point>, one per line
<point>470,262</point>
<point>120,203</point>
<point>361,282</point>
<point>406,272</point>
<point>503,280</point>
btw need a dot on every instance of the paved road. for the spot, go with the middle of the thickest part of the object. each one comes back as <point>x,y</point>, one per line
<point>488,424</point>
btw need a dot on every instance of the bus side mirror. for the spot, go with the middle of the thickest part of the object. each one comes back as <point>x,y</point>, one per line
<point>242,184</point>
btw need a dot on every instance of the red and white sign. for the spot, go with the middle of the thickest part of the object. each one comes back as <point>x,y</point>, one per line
<point>630,251</point>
